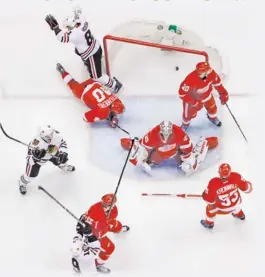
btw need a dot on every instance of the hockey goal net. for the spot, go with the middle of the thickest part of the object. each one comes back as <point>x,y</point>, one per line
<point>187,46</point>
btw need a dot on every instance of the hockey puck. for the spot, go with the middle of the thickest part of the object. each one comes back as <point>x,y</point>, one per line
<point>177,68</point>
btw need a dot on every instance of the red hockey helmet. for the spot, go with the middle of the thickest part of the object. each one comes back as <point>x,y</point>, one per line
<point>106,200</point>
<point>202,67</point>
<point>117,107</point>
<point>224,170</point>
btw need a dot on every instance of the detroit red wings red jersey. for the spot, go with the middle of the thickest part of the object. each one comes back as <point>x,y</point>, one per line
<point>95,96</point>
<point>178,141</point>
<point>98,219</point>
<point>195,89</point>
<point>225,194</point>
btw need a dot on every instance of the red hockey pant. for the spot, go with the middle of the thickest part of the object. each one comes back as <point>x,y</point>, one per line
<point>190,109</point>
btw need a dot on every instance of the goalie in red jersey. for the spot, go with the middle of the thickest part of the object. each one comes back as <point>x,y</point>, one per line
<point>91,237</point>
<point>103,104</point>
<point>223,195</point>
<point>166,141</point>
<point>196,93</point>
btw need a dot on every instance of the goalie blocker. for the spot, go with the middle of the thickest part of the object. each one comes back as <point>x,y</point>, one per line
<point>167,141</point>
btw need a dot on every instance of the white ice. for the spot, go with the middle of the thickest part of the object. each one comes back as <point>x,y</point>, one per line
<point>166,237</point>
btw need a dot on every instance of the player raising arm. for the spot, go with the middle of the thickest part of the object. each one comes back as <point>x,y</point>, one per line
<point>223,195</point>
<point>196,93</point>
<point>92,237</point>
<point>50,146</point>
<point>86,46</point>
<point>166,141</point>
<point>103,104</point>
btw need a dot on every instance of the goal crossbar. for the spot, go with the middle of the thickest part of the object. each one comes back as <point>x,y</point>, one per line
<point>146,43</point>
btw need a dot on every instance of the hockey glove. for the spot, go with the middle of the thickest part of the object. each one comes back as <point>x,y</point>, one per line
<point>62,157</point>
<point>52,22</point>
<point>224,98</point>
<point>38,153</point>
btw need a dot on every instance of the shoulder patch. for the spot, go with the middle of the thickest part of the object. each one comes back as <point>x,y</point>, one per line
<point>35,142</point>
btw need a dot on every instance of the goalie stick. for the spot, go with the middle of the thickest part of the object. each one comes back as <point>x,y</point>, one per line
<point>183,195</point>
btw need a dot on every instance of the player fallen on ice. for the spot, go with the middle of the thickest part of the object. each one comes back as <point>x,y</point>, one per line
<point>196,92</point>
<point>223,195</point>
<point>47,146</point>
<point>91,237</point>
<point>104,105</point>
<point>166,141</point>
<point>86,46</point>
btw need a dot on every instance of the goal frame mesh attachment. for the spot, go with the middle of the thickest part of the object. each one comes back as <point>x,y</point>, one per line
<point>145,43</point>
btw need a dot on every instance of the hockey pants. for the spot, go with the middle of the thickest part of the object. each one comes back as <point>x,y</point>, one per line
<point>190,110</point>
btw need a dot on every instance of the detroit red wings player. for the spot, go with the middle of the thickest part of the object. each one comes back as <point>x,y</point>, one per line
<point>99,220</point>
<point>196,93</point>
<point>103,104</point>
<point>223,195</point>
<point>166,141</point>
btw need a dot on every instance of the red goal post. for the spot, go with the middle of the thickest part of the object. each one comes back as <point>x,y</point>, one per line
<point>109,38</point>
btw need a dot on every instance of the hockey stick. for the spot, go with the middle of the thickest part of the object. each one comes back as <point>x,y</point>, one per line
<point>119,182</point>
<point>236,122</point>
<point>183,195</point>
<point>62,206</point>
<point>119,127</point>
<point>16,140</point>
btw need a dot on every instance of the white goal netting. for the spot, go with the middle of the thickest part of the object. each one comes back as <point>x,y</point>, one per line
<point>157,32</point>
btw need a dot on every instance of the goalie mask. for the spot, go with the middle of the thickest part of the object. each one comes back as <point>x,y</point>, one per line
<point>165,130</point>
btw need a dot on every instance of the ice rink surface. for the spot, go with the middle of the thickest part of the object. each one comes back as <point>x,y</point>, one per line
<point>166,237</point>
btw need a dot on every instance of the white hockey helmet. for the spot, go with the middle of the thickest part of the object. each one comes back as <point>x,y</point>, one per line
<point>46,133</point>
<point>70,22</point>
<point>165,130</point>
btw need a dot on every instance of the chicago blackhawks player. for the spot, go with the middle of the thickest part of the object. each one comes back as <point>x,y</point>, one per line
<point>91,237</point>
<point>196,93</point>
<point>103,104</point>
<point>223,195</point>
<point>86,46</point>
<point>48,145</point>
<point>166,141</point>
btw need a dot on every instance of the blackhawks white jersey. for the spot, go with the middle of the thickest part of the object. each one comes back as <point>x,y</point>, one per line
<point>57,144</point>
<point>85,43</point>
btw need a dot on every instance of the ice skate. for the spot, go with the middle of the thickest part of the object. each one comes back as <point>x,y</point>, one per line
<point>241,217</point>
<point>60,68</point>
<point>185,127</point>
<point>125,229</point>
<point>23,189</point>
<point>67,168</point>
<point>102,269</point>
<point>118,86</point>
<point>215,121</point>
<point>207,225</point>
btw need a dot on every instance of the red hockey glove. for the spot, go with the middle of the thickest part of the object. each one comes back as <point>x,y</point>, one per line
<point>224,98</point>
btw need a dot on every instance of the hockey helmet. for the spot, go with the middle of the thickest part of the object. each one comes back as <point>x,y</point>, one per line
<point>165,129</point>
<point>202,69</point>
<point>46,133</point>
<point>224,170</point>
<point>108,199</point>
<point>70,22</point>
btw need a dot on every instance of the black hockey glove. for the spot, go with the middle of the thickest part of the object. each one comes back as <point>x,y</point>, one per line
<point>52,22</point>
<point>62,157</point>
<point>38,153</point>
